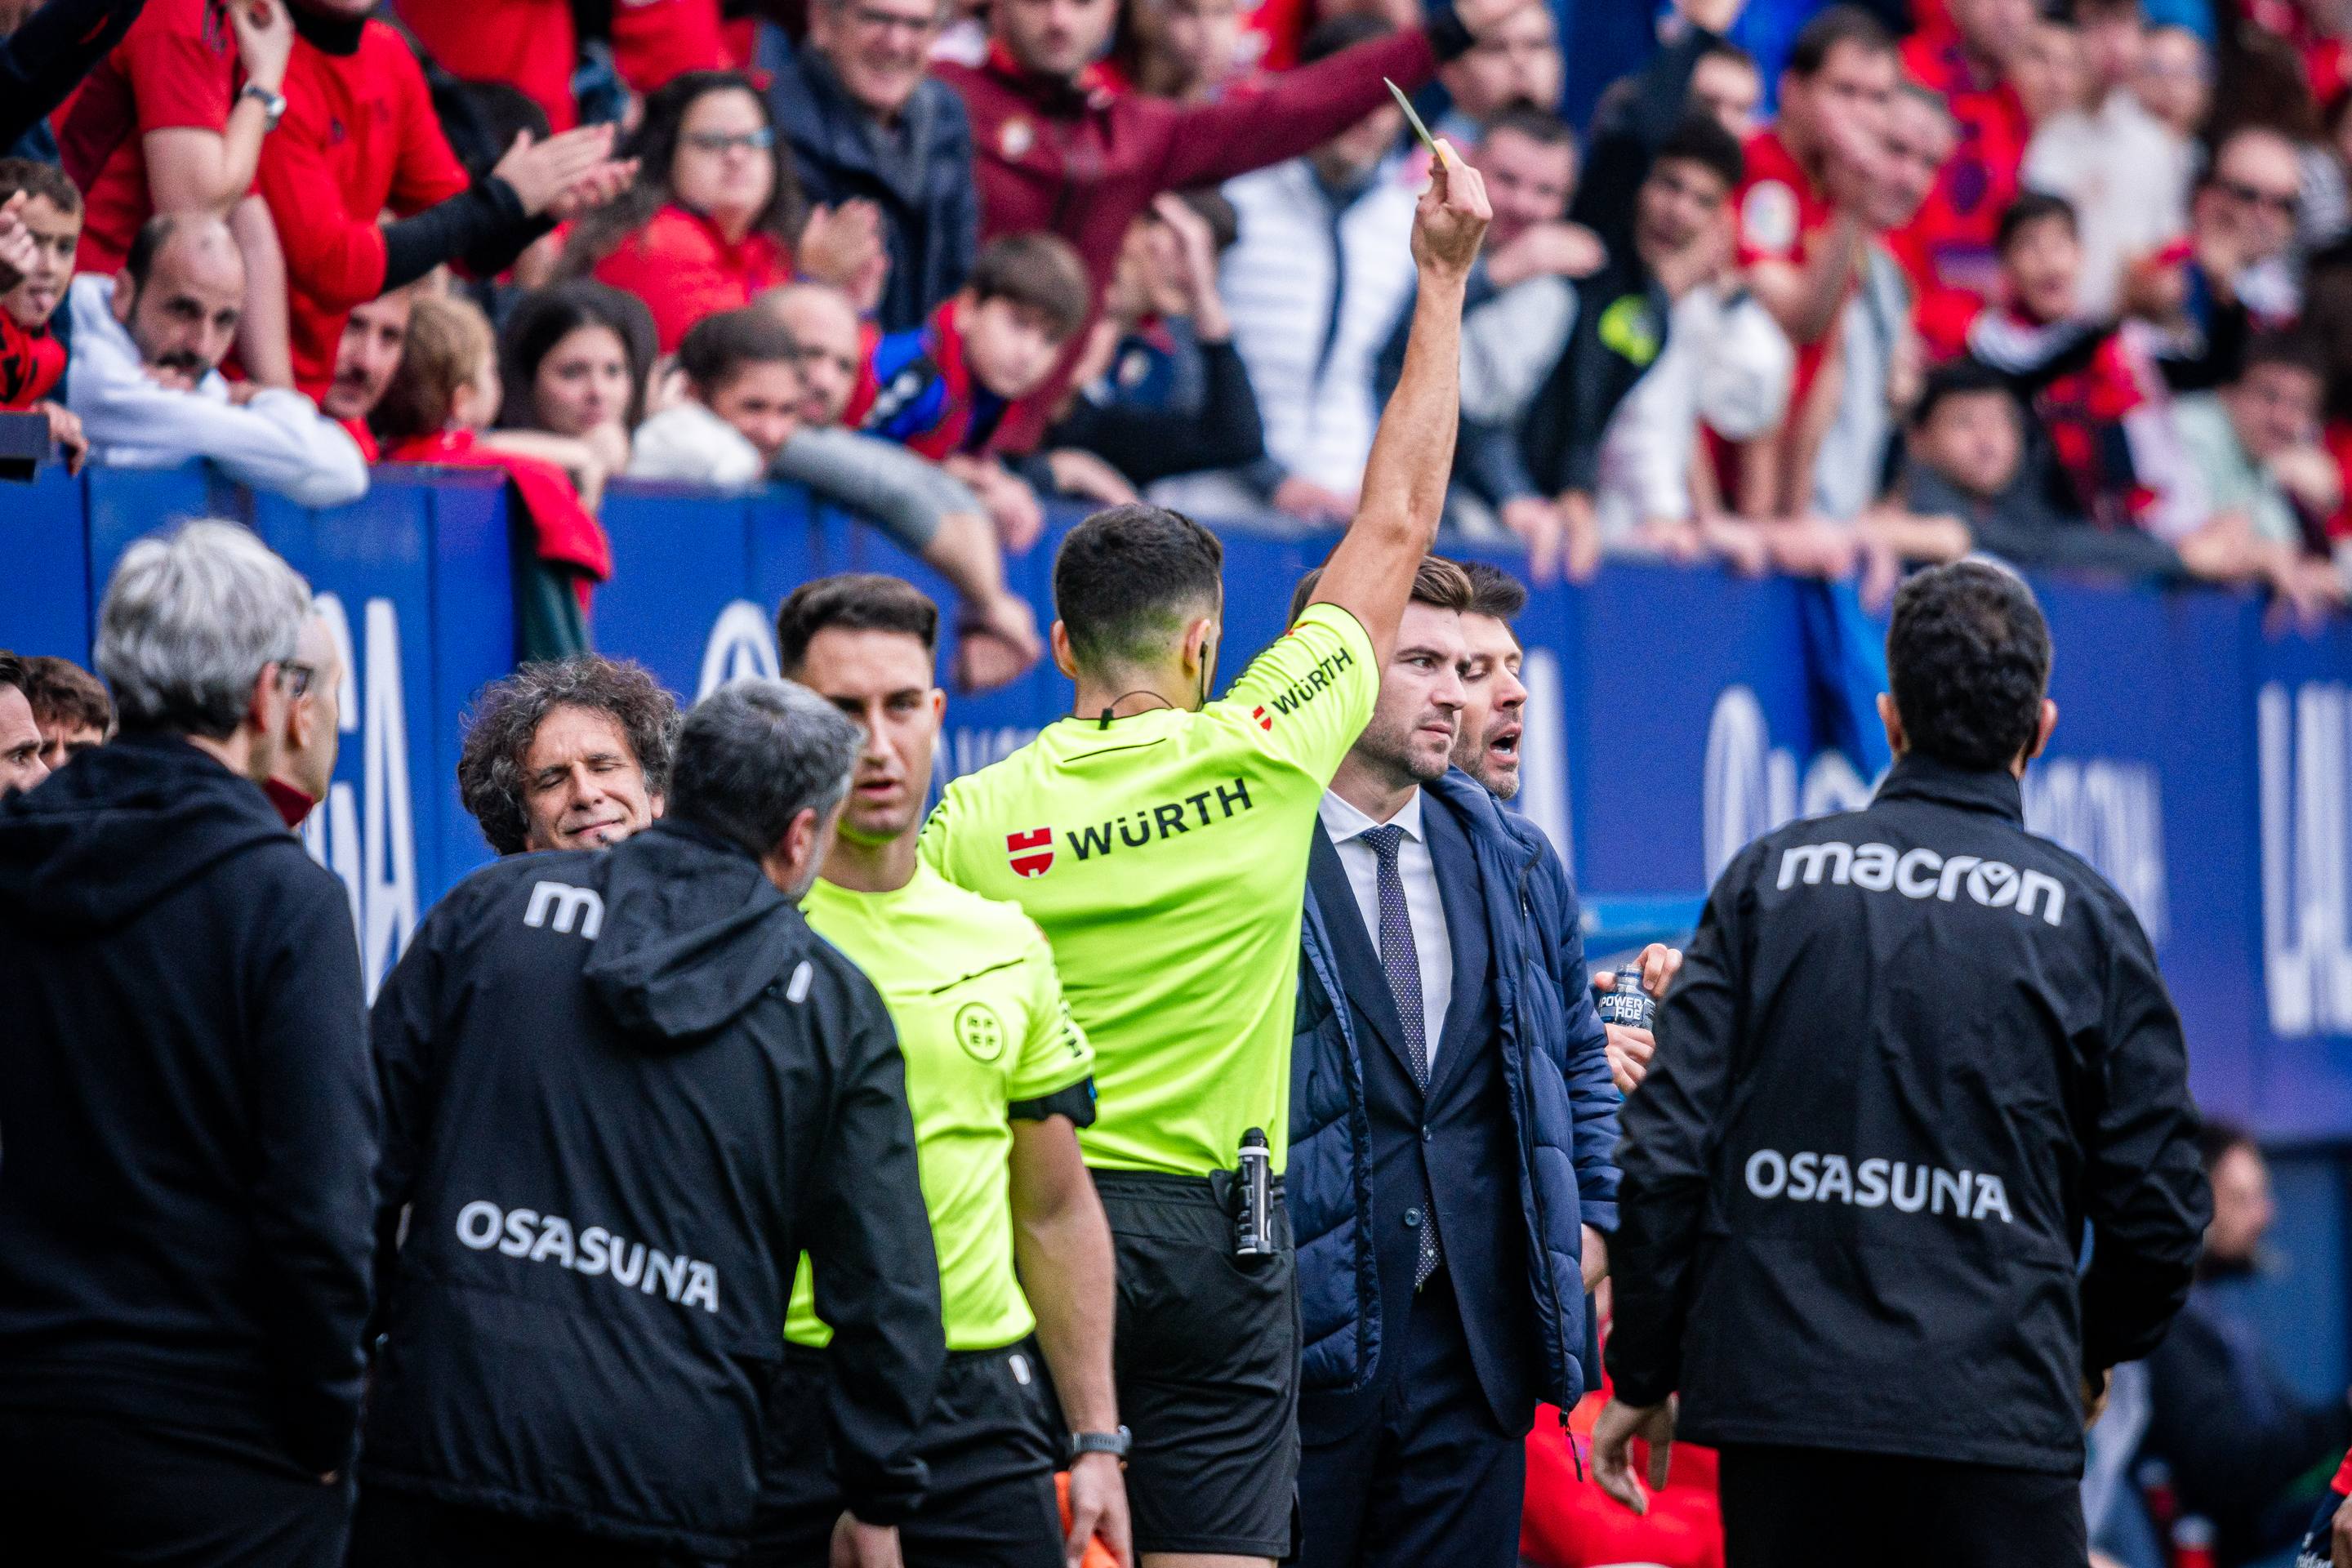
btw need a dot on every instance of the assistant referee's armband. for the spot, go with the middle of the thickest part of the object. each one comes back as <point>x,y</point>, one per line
<point>1077,1102</point>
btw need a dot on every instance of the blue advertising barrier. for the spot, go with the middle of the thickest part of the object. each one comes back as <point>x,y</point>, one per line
<point>2203,764</point>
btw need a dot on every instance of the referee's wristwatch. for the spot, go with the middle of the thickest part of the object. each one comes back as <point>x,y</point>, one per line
<point>273,104</point>
<point>1115,1444</point>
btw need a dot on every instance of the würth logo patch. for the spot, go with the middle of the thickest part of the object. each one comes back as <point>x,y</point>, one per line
<point>1265,720</point>
<point>1032,853</point>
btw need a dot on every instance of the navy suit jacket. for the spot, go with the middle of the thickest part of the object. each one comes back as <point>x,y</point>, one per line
<point>1458,1136</point>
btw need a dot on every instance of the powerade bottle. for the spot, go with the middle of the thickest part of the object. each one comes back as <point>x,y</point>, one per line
<point>1626,1002</point>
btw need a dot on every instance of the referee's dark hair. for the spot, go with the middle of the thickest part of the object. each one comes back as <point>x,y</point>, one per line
<point>1968,661</point>
<point>856,602</point>
<point>1128,581</point>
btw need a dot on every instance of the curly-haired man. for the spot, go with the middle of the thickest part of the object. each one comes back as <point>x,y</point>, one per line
<point>573,754</point>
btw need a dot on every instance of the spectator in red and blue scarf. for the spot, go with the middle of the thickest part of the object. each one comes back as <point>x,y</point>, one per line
<point>941,389</point>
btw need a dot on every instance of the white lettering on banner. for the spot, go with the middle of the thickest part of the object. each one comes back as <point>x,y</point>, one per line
<point>1923,873</point>
<point>2107,810</point>
<point>535,1237</point>
<point>1543,755</point>
<point>742,644</point>
<point>1751,787</point>
<point>2306,828</point>
<point>580,906</point>
<point>2111,813</point>
<point>1808,1177</point>
<point>372,849</point>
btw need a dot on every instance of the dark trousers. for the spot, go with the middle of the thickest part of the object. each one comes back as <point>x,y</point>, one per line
<point>402,1530</point>
<point>85,1490</point>
<point>988,1443</point>
<point>1427,1479</point>
<point>1816,1508</point>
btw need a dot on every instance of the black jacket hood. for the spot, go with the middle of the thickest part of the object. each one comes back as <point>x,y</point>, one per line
<point>694,933</point>
<point>120,828</point>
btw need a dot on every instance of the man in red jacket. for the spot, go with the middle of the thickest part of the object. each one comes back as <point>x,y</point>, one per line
<point>360,137</point>
<point>1055,150</point>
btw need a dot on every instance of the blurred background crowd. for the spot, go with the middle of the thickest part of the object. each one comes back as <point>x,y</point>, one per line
<point>2069,284</point>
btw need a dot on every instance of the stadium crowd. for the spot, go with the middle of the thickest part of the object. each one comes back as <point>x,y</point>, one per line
<point>2061,285</point>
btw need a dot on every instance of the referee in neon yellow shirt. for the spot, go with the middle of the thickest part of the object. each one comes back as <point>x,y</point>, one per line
<point>1161,839</point>
<point>997,1077</point>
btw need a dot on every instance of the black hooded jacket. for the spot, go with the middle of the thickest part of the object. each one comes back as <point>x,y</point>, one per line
<point>1913,1053</point>
<point>187,1120</point>
<point>623,1090</point>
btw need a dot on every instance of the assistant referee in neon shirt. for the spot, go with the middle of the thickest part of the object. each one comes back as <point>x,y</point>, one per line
<point>997,1077</point>
<point>1161,839</point>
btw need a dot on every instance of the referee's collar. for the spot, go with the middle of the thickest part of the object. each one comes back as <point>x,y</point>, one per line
<point>1343,821</point>
<point>1915,776</point>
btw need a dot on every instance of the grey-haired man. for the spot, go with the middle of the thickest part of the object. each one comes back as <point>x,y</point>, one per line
<point>186,1109</point>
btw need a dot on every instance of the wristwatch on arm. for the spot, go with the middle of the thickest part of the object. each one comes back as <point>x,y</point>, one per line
<point>273,104</point>
<point>1115,1444</point>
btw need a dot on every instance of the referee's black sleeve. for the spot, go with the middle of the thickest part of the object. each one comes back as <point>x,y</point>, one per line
<point>2144,1185</point>
<point>876,1275</point>
<point>1672,1123</point>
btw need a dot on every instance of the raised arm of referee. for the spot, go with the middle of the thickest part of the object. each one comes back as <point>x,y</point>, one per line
<point>1371,572</point>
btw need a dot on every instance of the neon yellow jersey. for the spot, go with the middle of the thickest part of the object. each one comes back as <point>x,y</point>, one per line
<point>1165,855</point>
<point>970,987</point>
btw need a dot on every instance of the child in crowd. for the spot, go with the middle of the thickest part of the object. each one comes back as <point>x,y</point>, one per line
<point>941,389</point>
<point>742,404</point>
<point>2105,449</point>
<point>1965,487</point>
<point>438,409</point>
<point>40,223</point>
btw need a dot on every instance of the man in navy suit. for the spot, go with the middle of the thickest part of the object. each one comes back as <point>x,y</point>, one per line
<point>1452,1128</point>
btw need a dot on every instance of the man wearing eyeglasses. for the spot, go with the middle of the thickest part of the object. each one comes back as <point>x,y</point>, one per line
<point>867,123</point>
<point>187,1107</point>
<point>313,729</point>
<point>2243,221</point>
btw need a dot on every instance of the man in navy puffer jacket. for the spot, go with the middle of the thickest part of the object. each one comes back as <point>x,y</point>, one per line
<point>1454,1124</point>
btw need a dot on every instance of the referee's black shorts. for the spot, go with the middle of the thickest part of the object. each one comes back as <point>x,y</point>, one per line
<point>1206,1353</point>
<point>988,1442</point>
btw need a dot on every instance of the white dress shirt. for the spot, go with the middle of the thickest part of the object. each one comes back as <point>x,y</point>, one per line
<point>1422,905</point>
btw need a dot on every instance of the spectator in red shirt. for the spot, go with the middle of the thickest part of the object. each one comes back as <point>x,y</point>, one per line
<point>1953,235</point>
<point>709,222</point>
<point>438,409</point>
<point>40,215</point>
<point>1804,215</point>
<point>366,357</point>
<point>163,125</point>
<point>535,45</point>
<point>1058,151</point>
<point>360,138</point>
<point>44,53</point>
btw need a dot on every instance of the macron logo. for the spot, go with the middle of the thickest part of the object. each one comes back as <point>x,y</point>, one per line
<point>1922,873</point>
<point>570,906</point>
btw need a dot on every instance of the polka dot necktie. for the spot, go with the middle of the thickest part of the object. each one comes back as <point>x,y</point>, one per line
<point>1401,961</point>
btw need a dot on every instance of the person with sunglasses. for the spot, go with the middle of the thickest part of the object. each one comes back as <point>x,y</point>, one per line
<point>312,732</point>
<point>715,216</point>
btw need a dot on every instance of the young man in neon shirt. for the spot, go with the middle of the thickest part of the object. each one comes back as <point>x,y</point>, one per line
<point>999,1079</point>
